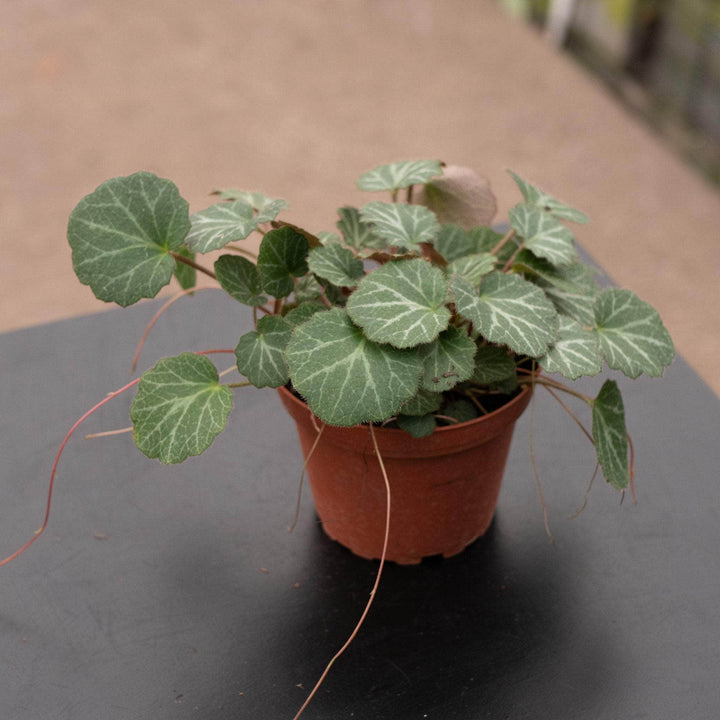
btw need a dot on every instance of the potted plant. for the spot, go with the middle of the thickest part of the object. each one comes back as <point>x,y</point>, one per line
<point>416,333</point>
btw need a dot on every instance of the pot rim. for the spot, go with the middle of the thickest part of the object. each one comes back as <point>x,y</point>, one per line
<point>446,439</point>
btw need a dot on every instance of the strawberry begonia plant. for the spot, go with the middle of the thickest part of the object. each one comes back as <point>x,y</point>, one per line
<point>413,312</point>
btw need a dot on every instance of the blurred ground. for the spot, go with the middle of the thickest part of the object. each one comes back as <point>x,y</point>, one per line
<point>297,99</point>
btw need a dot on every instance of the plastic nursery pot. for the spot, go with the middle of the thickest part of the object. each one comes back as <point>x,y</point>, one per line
<point>444,487</point>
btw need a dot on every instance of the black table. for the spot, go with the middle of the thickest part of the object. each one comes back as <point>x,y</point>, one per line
<point>177,592</point>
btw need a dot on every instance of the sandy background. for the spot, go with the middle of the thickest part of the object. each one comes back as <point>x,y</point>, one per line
<point>297,99</point>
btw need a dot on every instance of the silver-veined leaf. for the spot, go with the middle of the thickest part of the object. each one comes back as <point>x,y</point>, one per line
<point>345,378</point>
<point>544,235</point>
<point>508,310</point>
<point>401,224</point>
<point>240,279</point>
<point>472,267</point>
<point>220,224</point>
<point>401,303</point>
<point>399,175</point>
<point>574,353</point>
<point>534,196</point>
<point>572,290</point>
<point>448,360</point>
<point>266,209</point>
<point>493,364</point>
<point>303,312</point>
<point>453,242</point>
<point>282,257</point>
<point>632,336</point>
<point>261,354</point>
<point>355,232</point>
<point>336,264</point>
<point>180,408</point>
<point>122,234</point>
<point>610,435</point>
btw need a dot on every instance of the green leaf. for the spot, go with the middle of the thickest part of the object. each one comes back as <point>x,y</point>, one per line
<point>336,264</point>
<point>453,242</point>
<point>261,354</point>
<point>180,408</point>
<point>571,290</point>
<point>220,224</point>
<point>508,310</point>
<point>121,236</point>
<point>419,426</point>
<point>401,224</point>
<point>610,435</point>
<point>461,410</point>
<point>282,256</point>
<point>544,235</point>
<point>240,279</point>
<point>329,238</point>
<point>401,303</point>
<point>307,288</point>
<point>345,378</point>
<point>266,209</point>
<point>422,403</point>
<point>575,352</point>
<point>399,175</point>
<point>534,196</point>
<point>632,336</point>
<point>448,360</point>
<point>492,364</point>
<point>472,267</point>
<point>355,232</point>
<point>303,312</point>
<point>186,275</point>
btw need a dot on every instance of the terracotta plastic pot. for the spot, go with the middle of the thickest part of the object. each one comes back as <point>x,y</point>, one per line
<point>444,487</point>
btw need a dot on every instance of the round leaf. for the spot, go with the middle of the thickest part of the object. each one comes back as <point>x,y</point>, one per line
<point>492,364</point>
<point>632,336</point>
<point>240,279</point>
<point>345,378</point>
<point>282,256</point>
<point>180,408</point>
<point>399,175</point>
<point>544,235</point>
<point>261,354</point>
<point>508,310</point>
<point>401,303</point>
<point>575,352</point>
<point>401,224</point>
<point>220,224</point>
<point>121,236</point>
<point>336,264</point>
<point>448,360</point>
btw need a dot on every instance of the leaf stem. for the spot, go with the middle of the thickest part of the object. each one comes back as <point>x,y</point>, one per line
<point>511,259</point>
<point>193,264</point>
<point>541,380</point>
<point>506,239</point>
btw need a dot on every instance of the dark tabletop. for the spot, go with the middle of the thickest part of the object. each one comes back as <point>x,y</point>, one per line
<point>177,592</point>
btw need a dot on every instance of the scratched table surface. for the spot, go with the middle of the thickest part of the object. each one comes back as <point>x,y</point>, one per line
<point>177,592</point>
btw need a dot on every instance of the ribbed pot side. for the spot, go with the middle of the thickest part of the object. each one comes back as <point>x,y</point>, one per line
<point>444,487</point>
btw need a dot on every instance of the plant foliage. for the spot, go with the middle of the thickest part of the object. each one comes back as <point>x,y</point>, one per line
<point>395,318</point>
